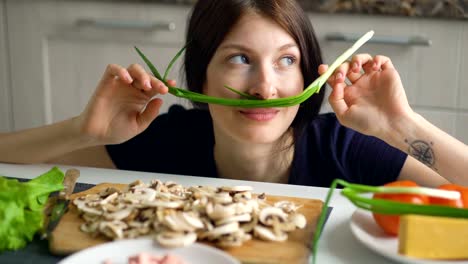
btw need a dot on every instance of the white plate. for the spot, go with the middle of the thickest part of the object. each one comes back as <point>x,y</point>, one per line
<point>119,251</point>
<point>372,236</point>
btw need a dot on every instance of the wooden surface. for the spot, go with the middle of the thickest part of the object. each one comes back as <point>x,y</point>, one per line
<point>67,238</point>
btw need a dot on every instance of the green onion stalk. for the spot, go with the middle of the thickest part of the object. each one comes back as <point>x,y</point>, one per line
<point>250,101</point>
<point>354,192</point>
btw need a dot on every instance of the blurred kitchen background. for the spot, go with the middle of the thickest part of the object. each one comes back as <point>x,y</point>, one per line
<point>53,52</point>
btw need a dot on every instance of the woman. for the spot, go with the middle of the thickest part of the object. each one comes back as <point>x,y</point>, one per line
<point>267,49</point>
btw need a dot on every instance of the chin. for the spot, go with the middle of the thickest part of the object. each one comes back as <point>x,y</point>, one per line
<point>261,135</point>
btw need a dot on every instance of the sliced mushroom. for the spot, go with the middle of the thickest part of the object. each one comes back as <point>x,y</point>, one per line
<point>299,220</point>
<point>176,223</point>
<point>89,227</point>
<point>218,211</point>
<point>110,198</point>
<point>268,234</point>
<point>140,194</point>
<point>164,204</point>
<point>91,217</point>
<point>108,191</point>
<point>112,229</point>
<point>248,227</point>
<point>166,196</point>
<point>234,239</point>
<point>228,216</point>
<point>222,198</point>
<point>82,205</point>
<point>118,215</point>
<point>202,191</point>
<point>267,215</point>
<point>246,207</point>
<point>157,185</point>
<point>235,218</point>
<point>222,230</point>
<point>287,206</point>
<point>238,188</point>
<point>192,219</point>
<point>133,185</point>
<point>174,239</point>
<point>175,188</point>
<point>208,226</point>
<point>242,196</point>
<point>146,214</point>
<point>111,207</point>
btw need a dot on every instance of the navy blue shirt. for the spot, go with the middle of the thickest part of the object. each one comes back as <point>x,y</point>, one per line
<point>182,141</point>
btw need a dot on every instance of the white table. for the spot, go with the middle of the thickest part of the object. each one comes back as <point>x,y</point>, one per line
<point>337,243</point>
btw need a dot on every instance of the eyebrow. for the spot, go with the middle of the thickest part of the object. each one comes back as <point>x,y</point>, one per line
<point>245,48</point>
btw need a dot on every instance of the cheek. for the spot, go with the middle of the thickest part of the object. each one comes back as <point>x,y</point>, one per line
<point>292,112</point>
<point>291,87</point>
<point>216,78</point>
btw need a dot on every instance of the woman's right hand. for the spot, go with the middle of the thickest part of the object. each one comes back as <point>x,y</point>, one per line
<point>116,112</point>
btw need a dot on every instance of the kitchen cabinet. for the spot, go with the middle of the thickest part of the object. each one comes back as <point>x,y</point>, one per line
<point>5,110</point>
<point>60,49</point>
<point>462,118</point>
<point>432,75</point>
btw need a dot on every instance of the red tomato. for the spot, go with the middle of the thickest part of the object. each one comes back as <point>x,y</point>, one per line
<point>459,203</point>
<point>391,223</point>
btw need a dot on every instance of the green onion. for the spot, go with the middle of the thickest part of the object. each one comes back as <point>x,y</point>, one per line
<point>248,96</point>
<point>353,193</point>
<point>169,67</point>
<point>252,102</point>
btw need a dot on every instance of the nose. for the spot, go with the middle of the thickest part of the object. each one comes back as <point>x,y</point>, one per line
<point>263,83</point>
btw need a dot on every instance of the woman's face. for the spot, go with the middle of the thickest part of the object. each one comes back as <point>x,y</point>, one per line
<point>260,58</point>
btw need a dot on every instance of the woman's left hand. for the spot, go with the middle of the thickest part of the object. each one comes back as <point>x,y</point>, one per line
<point>373,99</point>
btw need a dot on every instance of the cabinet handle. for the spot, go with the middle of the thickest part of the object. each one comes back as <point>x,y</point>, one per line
<point>390,40</point>
<point>132,25</point>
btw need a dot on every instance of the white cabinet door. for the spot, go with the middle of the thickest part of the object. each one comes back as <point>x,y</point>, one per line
<point>462,122</point>
<point>6,122</point>
<point>436,68</point>
<point>384,27</point>
<point>463,74</point>
<point>434,76</point>
<point>60,49</point>
<point>429,73</point>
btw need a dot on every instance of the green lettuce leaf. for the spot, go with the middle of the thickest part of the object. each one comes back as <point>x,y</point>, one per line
<point>22,205</point>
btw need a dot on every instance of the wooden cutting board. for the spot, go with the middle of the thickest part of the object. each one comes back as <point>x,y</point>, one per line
<point>67,237</point>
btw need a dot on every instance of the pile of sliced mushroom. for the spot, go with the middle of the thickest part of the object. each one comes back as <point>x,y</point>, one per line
<point>176,216</point>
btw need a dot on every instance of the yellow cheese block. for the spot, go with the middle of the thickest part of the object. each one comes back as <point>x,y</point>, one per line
<point>433,237</point>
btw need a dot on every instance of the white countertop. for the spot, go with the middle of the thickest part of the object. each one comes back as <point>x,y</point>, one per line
<point>337,243</point>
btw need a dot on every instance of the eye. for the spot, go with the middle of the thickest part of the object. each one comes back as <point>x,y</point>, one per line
<point>287,61</point>
<point>239,59</point>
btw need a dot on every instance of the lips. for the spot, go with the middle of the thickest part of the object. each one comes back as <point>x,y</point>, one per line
<point>260,114</point>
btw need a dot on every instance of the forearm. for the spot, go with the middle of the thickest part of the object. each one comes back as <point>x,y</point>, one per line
<point>433,147</point>
<point>42,144</point>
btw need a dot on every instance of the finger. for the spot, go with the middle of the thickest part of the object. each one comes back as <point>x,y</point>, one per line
<point>362,61</point>
<point>336,99</point>
<point>113,70</point>
<point>150,113</point>
<point>143,79</point>
<point>322,68</point>
<point>347,70</point>
<point>382,62</point>
<point>172,82</point>
<point>158,86</point>
<point>341,72</point>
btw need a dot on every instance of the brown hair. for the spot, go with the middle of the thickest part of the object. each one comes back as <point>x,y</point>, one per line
<point>210,22</point>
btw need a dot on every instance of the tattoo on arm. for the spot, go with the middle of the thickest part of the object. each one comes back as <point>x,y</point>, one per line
<point>422,151</point>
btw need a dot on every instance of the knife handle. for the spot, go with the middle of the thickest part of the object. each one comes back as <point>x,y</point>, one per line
<point>69,182</point>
